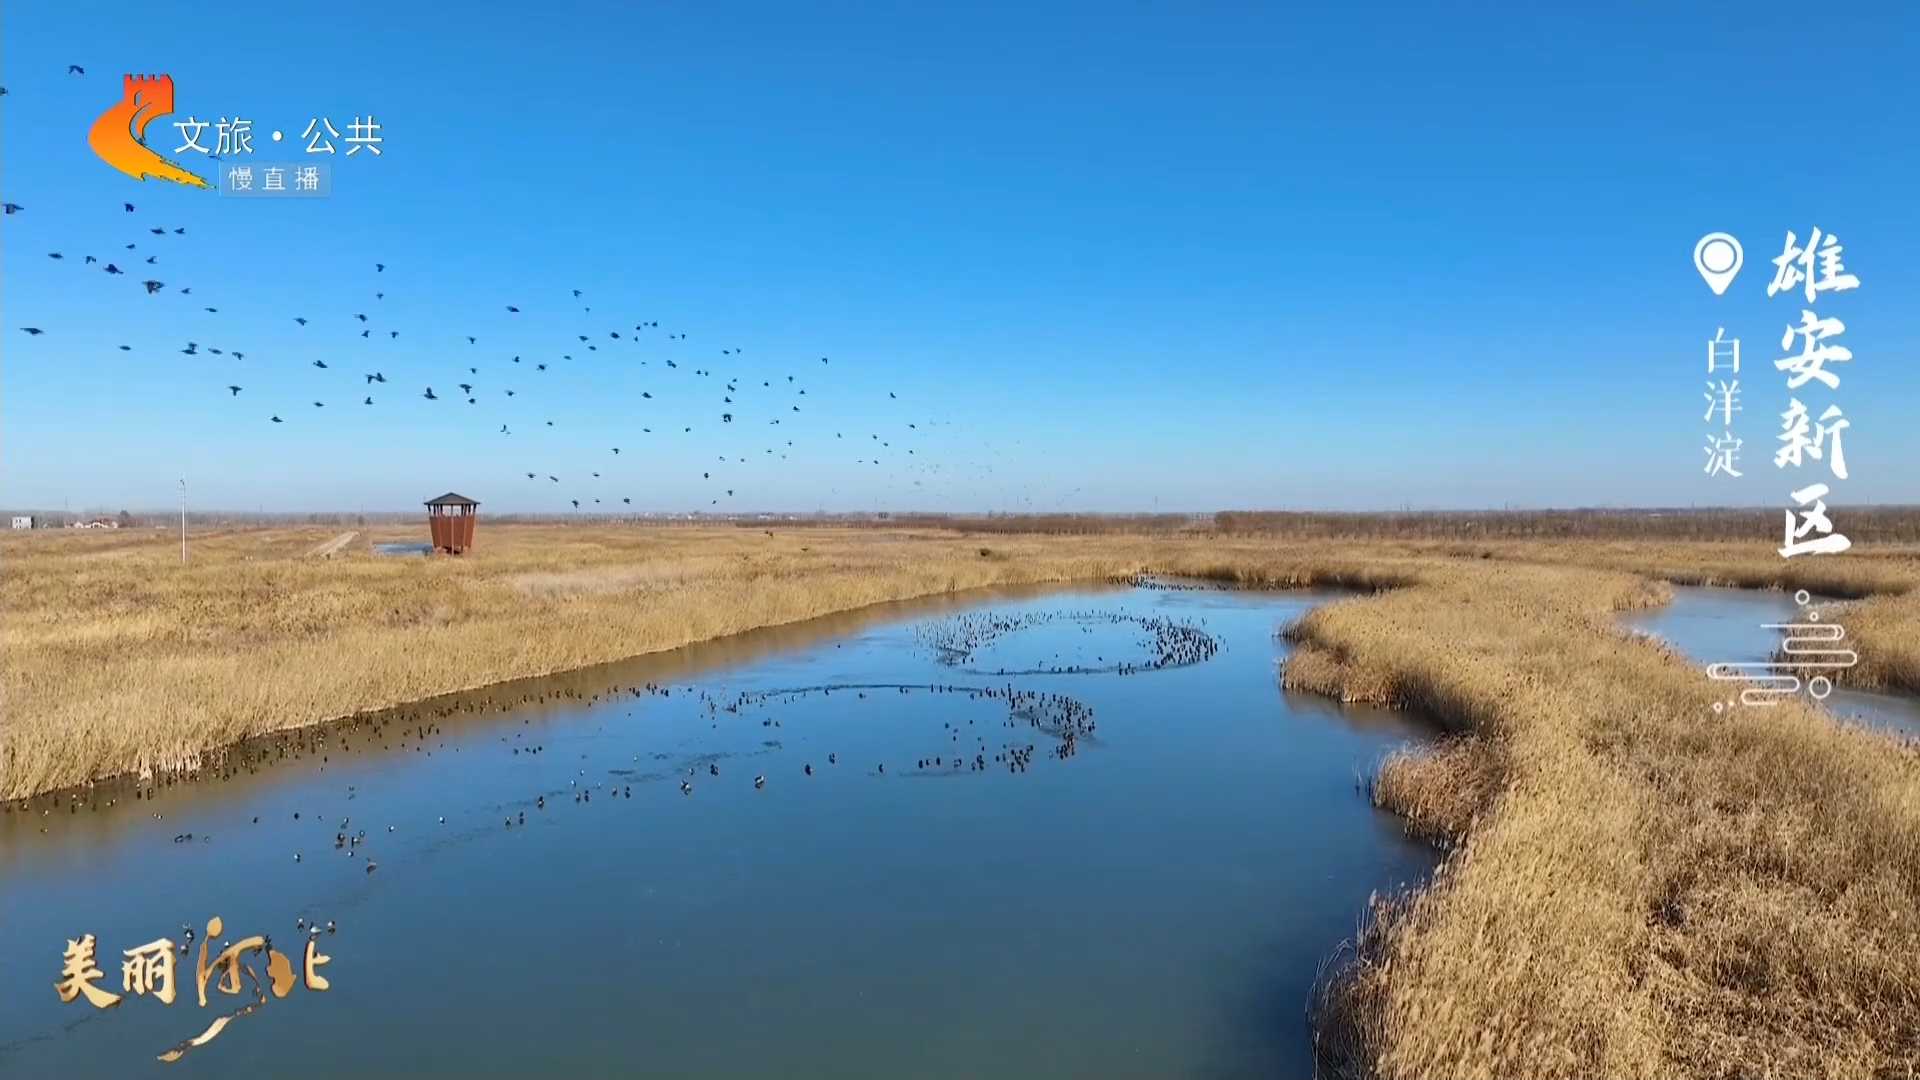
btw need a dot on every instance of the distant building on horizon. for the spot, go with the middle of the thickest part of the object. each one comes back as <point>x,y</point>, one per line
<point>23,521</point>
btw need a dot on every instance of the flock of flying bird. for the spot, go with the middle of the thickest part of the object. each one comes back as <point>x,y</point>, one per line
<point>755,412</point>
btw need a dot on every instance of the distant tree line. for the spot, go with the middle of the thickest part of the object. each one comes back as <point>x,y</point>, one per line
<point>1864,524</point>
<point>1878,524</point>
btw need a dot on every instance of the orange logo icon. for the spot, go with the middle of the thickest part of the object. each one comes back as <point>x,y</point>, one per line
<point>119,136</point>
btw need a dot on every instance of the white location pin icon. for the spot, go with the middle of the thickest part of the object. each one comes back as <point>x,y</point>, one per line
<point>1718,258</point>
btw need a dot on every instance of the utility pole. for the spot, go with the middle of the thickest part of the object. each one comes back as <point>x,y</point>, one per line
<point>183,521</point>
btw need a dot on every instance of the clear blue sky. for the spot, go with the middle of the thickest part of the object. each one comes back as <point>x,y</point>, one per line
<point>1106,256</point>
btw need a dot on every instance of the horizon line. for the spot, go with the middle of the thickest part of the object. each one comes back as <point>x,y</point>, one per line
<point>174,512</point>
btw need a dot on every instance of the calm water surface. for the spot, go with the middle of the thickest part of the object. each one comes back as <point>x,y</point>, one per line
<point>1712,625</point>
<point>1153,905</point>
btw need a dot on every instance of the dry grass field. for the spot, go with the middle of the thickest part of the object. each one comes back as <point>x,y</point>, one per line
<point>1635,886</point>
<point>117,658</point>
<point>1639,886</point>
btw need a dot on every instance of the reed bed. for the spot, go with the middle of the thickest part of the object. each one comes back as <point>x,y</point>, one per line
<point>115,658</point>
<point>1635,885</point>
<point>1639,886</point>
<point>119,659</point>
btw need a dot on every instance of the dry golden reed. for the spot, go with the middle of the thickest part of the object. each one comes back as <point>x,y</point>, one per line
<point>1642,887</point>
<point>1635,887</point>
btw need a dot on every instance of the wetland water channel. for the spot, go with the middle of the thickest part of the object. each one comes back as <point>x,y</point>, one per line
<point>1714,625</point>
<point>1147,893</point>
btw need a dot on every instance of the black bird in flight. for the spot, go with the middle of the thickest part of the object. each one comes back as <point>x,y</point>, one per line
<point>34,330</point>
<point>627,501</point>
<point>379,268</point>
<point>126,348</point>
<point>154,286</point>
<point>576,294</point>
<point>235,390</point>
<point>300,320</point>
<point>14,208</point>
<point>277,420</point>
<point>429,395</point>
<point>88,260</point>
<point>55,255</point>
<point>319,404</point>
<point>112,269</point>
<point>616,449</point>
<point>157,231</point>
<point>470,341</point>
<point>359,316</point>
<point>541,367</point>
<point>76,69</point>
<point>369,401</point>
<point>513,309</point>
<point>466,387</point>
<point>129,207</point>
<point>319,363</point>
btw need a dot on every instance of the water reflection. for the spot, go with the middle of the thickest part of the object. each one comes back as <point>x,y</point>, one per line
<point>1712,625</point>
<point>549,902</point>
